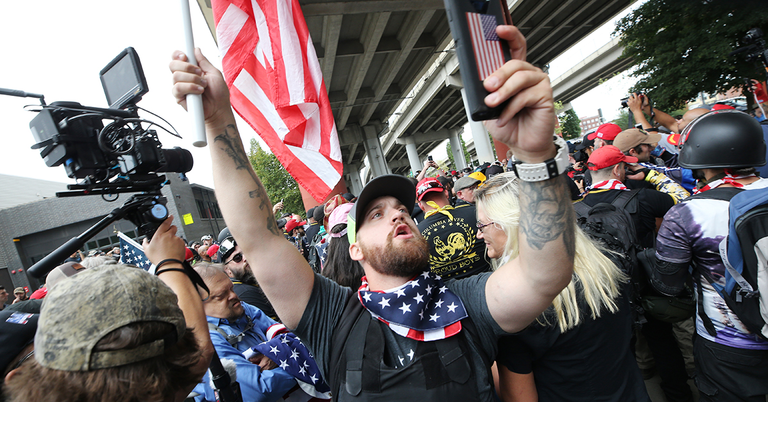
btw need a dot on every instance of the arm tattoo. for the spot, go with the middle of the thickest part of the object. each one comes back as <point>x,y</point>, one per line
<point>233,147</point>
<point>546,213</point>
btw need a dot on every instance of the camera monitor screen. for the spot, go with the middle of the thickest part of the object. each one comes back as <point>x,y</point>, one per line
<point>123,80</point>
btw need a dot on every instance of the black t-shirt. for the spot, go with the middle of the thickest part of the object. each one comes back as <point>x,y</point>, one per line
<point>311,231</point>
<point>454,249</point>
<point>417,214</point>
<point>254,296</point>
<point>591,362</point>
<point>652,204</point>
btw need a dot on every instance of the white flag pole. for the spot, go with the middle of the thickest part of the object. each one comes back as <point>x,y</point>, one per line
<point>194,101</point>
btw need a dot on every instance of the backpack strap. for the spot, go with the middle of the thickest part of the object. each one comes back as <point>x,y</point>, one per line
<point>582,209</point>
<point>623,200</point>
<point>700,301</point>
<point>349,318</point>
<point>232,339</point>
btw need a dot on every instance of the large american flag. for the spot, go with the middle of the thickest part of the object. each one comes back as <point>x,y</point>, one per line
<point>276,85</point>
<point>485,43</point>
<point>132,253</point>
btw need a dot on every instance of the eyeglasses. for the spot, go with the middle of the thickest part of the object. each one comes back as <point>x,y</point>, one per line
<point>481,227</point>
<point>236,258</point>
<point>23,359</point>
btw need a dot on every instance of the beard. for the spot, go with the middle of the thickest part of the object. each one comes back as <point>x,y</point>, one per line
<point>405,260</point>
<point>245,275</point>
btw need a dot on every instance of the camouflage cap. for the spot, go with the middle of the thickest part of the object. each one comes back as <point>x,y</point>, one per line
<point>86,307</point>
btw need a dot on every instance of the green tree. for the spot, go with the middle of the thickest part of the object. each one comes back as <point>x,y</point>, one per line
<point>682,47</point>
<point>624,119</point>
<point>276,180</point>
<point>570,124</point>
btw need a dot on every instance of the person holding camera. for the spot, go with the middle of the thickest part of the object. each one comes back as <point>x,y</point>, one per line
<point>132,337</point>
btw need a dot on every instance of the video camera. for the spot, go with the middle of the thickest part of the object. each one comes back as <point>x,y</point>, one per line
<point>99,144</point>
<point>753,47</point>
<point>109,152</point>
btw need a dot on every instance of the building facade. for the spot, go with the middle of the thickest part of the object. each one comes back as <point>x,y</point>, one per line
<point>32,230</point>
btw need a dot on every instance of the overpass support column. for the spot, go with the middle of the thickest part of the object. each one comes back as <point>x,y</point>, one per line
<point>353,178</point>
<point>479,134</point>
<point>413,155</point>
<point>458,152</point>
<point>374,151</point>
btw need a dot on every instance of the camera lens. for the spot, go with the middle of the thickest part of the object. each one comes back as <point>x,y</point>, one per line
<point>177,160</point>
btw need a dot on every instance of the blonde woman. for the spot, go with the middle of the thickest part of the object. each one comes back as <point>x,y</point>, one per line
<point>579,348</point>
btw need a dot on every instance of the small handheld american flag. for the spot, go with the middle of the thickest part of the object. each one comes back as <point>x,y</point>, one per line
<point>132,253</point>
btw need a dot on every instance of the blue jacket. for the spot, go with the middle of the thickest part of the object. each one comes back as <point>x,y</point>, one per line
<point>256,385</point>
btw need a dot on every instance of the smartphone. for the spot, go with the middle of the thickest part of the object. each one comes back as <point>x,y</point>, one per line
<point>429,158</point>
<point>479,49</point>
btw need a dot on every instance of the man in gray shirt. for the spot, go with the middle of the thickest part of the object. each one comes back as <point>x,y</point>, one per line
<point>452,326</point>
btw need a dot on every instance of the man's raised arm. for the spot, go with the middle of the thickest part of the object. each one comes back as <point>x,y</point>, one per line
<point>282,272</point>
<point>521,289</point>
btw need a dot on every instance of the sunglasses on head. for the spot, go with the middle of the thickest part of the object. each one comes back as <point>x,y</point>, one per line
<point>238,257</point>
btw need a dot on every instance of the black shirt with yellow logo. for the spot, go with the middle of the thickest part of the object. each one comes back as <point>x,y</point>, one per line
<point>454,249</point>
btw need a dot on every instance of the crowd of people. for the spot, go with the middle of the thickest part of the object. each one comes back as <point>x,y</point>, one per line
<point>486,284</point>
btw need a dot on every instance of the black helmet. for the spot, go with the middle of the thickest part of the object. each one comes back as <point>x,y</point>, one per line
<point>227,243</point>
<point>722,139</point>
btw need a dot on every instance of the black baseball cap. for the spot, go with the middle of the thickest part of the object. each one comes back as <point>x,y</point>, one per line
<point>386,185</point>
<point>585,142</point>
<point>17,330</point>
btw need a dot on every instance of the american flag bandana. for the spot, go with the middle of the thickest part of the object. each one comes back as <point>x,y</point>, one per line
<point>608,184</point>
<point>422,309</point>
<point>291,355</point>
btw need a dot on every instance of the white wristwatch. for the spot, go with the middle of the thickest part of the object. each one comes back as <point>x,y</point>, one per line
<point>546,170</point>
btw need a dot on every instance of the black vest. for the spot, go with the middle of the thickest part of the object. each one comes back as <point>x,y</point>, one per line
<point>441,370</point>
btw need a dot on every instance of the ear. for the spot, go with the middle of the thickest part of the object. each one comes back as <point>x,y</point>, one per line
<point>617,169</point>
<point>421,206</point>
<point>228,271</point>
<point>9,376</point>
<point>355,252</point>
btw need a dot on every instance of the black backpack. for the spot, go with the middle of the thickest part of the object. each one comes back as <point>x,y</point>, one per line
<point>611,225</point>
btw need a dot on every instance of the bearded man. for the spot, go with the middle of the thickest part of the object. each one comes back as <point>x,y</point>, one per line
<point>405,334</point>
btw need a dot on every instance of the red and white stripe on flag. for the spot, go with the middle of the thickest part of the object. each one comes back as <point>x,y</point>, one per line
<point>276,85</point>
<point>485,43</point>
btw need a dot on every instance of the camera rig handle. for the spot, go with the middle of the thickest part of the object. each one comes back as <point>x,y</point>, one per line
<point>131,210</point>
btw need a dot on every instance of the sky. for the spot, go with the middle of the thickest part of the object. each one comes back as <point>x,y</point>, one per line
<point>57,49</point>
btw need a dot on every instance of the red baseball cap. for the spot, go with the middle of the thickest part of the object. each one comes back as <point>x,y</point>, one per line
<point>606,131</point>
<point>211,252</point>
<point>717,107</point>
<point>607,156</point>
<point>427,185</point>
<point>291,225</point>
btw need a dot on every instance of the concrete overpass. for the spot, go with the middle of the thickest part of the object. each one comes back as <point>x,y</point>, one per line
<point>590,72</point>
<point>375,53</point>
